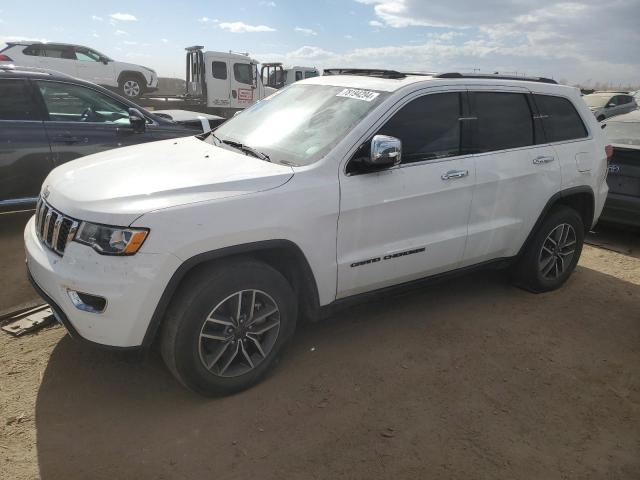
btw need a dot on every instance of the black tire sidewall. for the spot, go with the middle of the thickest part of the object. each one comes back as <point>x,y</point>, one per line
<point>530,274</point>
<point>241,277</point>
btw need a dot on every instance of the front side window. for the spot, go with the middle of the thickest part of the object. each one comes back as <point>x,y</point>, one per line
<point>504,121</point>
<point>86,55</point>
<point>242,73</point>
<point>310,74</point>
<point>560,119</point>
<point>219,70</point>
<point>66,102</point>
<point>429,127</point>
<point>302,123</point>
<point>15,101</point>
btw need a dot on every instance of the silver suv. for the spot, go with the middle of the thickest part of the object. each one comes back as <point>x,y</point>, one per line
<point>608,104</point>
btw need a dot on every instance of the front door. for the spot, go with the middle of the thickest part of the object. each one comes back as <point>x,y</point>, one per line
<point>217,81</point>
<point>244,78</point>
<point>514,177</point>
<point>408,221</point>
<point>91,67</point>
<point>82,121</point>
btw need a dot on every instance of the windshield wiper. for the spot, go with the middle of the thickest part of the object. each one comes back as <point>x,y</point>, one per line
<point>245,148</point>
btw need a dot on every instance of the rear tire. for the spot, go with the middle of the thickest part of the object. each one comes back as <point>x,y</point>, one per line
<point>215,346</point>
<point>131,87</point>
<point>553,252</point>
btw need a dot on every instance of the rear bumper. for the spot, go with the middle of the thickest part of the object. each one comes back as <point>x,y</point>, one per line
<point>621,209</point>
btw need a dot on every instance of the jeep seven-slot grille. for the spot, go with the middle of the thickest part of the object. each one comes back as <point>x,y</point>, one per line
<point>53,228</point>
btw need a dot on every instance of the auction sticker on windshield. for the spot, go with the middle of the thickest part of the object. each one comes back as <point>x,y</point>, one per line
<point>366,95</point>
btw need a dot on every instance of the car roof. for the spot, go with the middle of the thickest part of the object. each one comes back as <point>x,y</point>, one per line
<point>631,117</point>
<point>49,44</point>
<point>400,80</point>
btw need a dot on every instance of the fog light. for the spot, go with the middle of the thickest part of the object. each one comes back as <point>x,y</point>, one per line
<point>87,302</point>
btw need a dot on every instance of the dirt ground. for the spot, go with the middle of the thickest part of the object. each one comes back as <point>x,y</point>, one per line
<point>471,378</point>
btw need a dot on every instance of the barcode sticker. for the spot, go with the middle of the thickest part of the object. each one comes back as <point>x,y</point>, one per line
<point>366,95</point>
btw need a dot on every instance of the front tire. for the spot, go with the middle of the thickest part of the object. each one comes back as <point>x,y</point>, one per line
<point>131,87</point>
<point>553,252</point>
<point>227,326</point>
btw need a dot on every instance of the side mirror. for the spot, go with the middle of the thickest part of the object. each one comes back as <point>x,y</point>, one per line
<point>609,105</point>
<point>137,120</point>
<point>386,151</point>
<point>104,60</point>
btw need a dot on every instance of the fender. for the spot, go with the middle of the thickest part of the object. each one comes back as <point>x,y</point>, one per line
<point>133,73</point>
<point>556,198</point>
<point>247,248</point>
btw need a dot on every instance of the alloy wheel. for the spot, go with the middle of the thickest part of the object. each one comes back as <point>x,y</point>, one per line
<point>557,251</point>
<point>131,88</point>
<point>239,333</point>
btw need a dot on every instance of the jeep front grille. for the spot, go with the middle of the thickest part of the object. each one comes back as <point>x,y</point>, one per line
<point>54,229</point>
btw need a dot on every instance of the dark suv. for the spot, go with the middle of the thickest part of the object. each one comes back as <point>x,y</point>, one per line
<point>47,119</point>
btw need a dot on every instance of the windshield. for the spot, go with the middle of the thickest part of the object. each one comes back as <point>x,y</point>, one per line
<point>625,133</point>
<point>596,101</point>
<point>298,125</point>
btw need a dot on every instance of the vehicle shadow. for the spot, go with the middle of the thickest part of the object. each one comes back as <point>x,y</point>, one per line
<point>470,377</point>
<point>617,238</point>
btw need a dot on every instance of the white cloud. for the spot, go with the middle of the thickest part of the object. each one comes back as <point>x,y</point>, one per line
<point>376,23</point>
<point>241,27</point>
<point>529,36</point>
<point>96,18</point>
<point>129,42</point>
<point>268,4</point>
<point>95,35</point>
<point>164,40</point>
<point>120,33</point>
<point>306,31</point>
<point>123,17</point>
<point>349,37</point>
<point>207,20</point>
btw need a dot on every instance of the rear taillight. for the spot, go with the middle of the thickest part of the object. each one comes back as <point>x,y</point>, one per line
<point>609,151</point>
<point>4,58</point>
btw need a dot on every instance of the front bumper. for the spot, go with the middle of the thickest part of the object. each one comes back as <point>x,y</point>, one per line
<point>132,286</point>
<point>621,209</point>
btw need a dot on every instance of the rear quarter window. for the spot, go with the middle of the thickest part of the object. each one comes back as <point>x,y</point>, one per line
<point>560,120</point>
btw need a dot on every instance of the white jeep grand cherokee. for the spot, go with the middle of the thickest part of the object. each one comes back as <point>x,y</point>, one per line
<point>214,246</point>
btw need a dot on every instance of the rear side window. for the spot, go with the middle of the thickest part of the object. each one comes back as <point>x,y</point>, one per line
<point>242,73</point>
<point>33,50</point>
<point>298,75</point>
<point>310,74</point>
<point>15,101</point>
<point>429,127</point>
<point>560,119</point>
<point>61,51</point>
<point>219,70</point>
<point>504,121</point>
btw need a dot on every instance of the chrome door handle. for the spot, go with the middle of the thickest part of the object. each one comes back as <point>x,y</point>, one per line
<point>543,159</point>
<point>451,174</point>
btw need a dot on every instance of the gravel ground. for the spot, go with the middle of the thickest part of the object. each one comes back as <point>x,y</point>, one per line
<point>471,378</point>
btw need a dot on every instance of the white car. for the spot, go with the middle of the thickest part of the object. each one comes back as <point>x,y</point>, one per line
<point>129,79</point>
<point>216,245</point>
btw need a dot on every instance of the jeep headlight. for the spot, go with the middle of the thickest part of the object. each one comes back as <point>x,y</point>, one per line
<point>108,240</point>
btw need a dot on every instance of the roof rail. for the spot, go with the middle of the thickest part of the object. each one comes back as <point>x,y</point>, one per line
<point>368,72</point>
<point>494,76</point>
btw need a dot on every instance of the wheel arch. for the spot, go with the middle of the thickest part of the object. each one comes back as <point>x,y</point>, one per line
<point>132,73</point>
<point>283,255</point>
<point>581,199</point>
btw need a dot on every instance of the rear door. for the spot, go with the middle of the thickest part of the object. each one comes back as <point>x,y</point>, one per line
<point>514,177</point>
<point>61,58</point>
<point>25,155</point>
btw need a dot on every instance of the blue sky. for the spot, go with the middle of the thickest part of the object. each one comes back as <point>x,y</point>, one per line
<point>566,40</point>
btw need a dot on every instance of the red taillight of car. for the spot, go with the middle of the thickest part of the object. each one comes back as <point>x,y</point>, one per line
<point>4,58</point>
<point>609,151</point>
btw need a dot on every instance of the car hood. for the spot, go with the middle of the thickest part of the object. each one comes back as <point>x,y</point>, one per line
<point>117,186</point>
